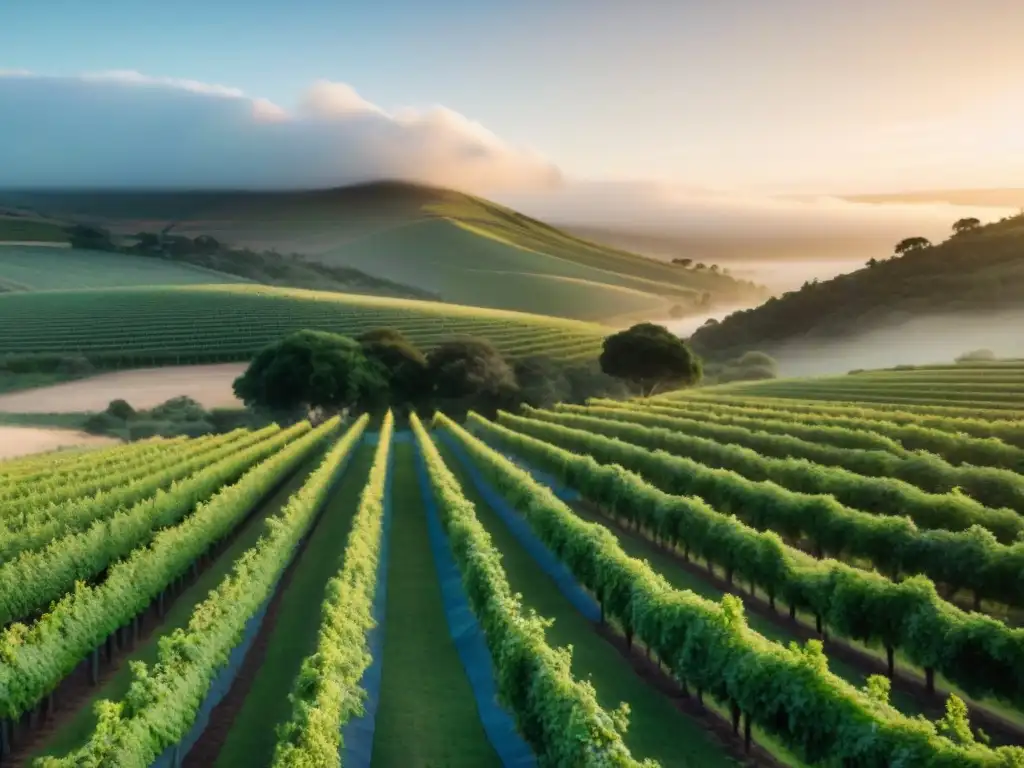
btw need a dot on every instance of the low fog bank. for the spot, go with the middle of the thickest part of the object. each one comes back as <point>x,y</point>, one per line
<point>936,339</point>
<point>780,276</point>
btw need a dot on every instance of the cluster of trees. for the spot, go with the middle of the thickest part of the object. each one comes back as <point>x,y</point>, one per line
<point>912,244</point>
<point>175,417</point>
<point>318,373</point>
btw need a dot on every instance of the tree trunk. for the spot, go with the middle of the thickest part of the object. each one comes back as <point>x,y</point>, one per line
<point>929,679</point>
<point>792,611</point>
<point>771,602</point>
<point>977,600</point>
<point>94,666</point>
<point>890,659</point>
<point>735,718</point>
<point>746,733</point>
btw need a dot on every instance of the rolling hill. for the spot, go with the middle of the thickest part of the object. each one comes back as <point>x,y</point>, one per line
<point>971,276</point>
<point>465,249</point>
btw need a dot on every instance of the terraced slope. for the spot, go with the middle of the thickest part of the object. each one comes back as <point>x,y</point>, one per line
<point>159,326</point>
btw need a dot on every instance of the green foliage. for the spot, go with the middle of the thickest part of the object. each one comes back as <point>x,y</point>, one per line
<point>557,715</point>
<point>651,357</point>
<point>110,526</point>
<point>37,657</point>
<point>405,365</point>
<point>164,698</point>
<point>875,481</point>
<point>911,244</point>
<point>310,370</point>
<point>120,409</point>
<point>326,694</point>
<point>986,486</point>
<point>789,692</point>
<point>955,724</point>
<point>974,651</point>
<point>472,370</point>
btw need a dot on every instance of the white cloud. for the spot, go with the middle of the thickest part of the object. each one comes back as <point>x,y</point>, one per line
<point>126,129</point>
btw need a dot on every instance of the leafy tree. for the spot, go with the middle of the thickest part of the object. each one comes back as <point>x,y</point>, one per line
<point>684,263</point>
<point>966,225</point>
<point>472,370</point>
<point>911,244</point>
<point>872,262</point>
<point>120,409</point>
<point>406,366</point>
<point>650,356</point>
<point>310,371</point>
<point>542,382</point>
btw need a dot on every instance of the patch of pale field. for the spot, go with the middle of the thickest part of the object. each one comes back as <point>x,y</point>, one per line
<point>209,385</point>
<point>21,441</point>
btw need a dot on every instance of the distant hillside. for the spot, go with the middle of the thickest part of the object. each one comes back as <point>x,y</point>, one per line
<point>981,271</point>
<point>462,248</point>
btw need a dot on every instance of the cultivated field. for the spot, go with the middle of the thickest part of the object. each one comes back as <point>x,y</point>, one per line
<point>131,328</point>
<point>209,385</point>
<point>687,548</point>
<point>16,441</point>
<point>44,268</point>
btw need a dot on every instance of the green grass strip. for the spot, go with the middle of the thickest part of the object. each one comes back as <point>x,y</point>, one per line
<point>427,715</point>
<point>326,692</point>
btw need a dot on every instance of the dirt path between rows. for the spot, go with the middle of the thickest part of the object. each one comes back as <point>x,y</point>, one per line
<point>210,385</point>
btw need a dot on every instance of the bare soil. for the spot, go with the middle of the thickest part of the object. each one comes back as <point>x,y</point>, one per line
<point>210,385</point>
<point>19,441</point>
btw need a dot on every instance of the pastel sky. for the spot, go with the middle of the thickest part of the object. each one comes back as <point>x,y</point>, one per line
<point>794,95</point>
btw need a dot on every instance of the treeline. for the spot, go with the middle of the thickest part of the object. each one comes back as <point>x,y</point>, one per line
<point>315,373</point>
<point>268,266</point>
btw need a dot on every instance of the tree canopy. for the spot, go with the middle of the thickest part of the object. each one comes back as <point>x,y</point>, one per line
<point>310,370</point>
<point>911,244</point>
<point>651,357</point>
<point>404,364</point>
<point>966,225</point>
<point>471,368</point>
